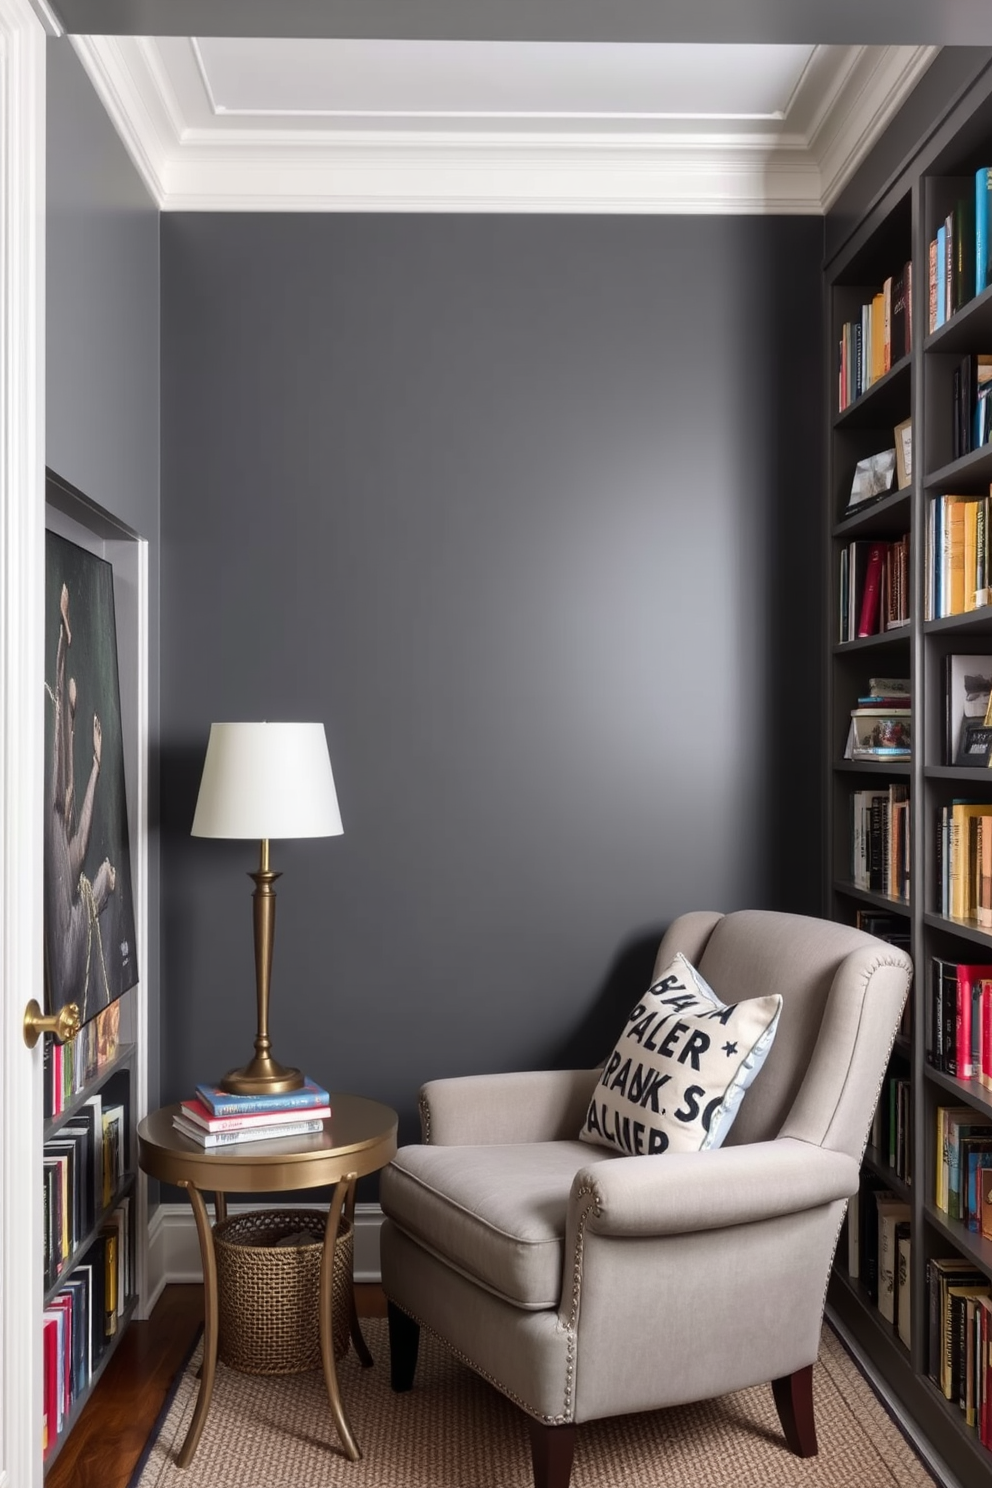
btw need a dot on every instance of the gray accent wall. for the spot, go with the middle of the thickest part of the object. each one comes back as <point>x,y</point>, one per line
<point>103,363</point>
<point>527,511</point>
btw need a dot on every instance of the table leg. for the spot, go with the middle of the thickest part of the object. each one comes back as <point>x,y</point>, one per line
<point>355,1328</point>
<point>209,1366</point>
<point>220,1208</point>
<point>327,1321</point>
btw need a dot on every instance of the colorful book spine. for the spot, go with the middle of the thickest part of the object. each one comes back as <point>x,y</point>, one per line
<point>223,1103</point>
<point>983,185</point>
<point>200,1115</point>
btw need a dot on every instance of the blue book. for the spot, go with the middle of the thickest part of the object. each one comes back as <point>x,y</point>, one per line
<point>223,1103</point>
<point>983,185</point>
<point>941,275</point>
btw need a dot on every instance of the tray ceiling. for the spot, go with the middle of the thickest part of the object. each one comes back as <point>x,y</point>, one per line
<point>242,123</point>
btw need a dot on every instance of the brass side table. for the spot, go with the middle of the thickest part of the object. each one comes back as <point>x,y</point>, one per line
<point>358,1138</point>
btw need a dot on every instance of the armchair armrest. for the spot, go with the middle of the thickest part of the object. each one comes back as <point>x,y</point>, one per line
<point>685,1192</point>
<point>530,1106</point>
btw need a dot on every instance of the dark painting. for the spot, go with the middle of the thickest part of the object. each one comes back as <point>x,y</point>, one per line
<point>90,955</point>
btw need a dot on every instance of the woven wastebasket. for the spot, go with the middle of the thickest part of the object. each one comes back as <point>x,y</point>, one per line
<point>268,1295</point>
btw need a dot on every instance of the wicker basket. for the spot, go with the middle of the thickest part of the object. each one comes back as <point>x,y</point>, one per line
<point>269,1295</point>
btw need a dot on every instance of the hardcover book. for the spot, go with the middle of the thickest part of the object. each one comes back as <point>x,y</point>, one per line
<point>222,1103</point>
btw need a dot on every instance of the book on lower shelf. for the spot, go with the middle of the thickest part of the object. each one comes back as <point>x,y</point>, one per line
<point>81,1319</point>
<point>880,840</point>
<point>959,555</point>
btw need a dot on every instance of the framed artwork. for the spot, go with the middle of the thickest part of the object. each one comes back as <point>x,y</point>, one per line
<point>968,694</point>
<point>90,954</point>
<point>873,476</point>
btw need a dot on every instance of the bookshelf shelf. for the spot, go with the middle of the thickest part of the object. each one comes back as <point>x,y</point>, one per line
<point>964,929</point>
<point>959,334</point>
<point>893,769</point>
<point>885,640</point>
<point>974,622</point>
<point>877,518</point>
<point>969,1092</point>
<point>881,403</point>
<point>868,896</point>
<point>963,1240</point>
<point>969,475</point>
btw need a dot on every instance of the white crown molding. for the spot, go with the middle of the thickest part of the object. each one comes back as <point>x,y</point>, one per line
<point>867,100</point>
<point>197,166</point>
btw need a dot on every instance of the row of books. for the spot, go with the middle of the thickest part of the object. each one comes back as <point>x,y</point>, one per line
<point>70,1067</point>
<point>84,1165</point>
<point>891,1130</point>
<point>964,866</point>
<point>964,1155</point>
<point>959,1036</point>
<point>880,336</point>
<point>880,845</point>
<point>960,255</point>
<point>874,587</point>
<point>81,1317</point>
<point>972,424</point>
<point>960,1334</point>
<point>959,562</point>
<point>216,1118</point>
<point>879,1250</point>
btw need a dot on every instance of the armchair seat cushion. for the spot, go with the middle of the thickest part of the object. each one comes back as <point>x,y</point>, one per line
<point>496,1219</point>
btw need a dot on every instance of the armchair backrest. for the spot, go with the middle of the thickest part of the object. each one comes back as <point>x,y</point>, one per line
<point>843,993</point>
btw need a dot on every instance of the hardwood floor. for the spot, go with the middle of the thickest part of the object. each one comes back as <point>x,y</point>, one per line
<point>108,1438</point>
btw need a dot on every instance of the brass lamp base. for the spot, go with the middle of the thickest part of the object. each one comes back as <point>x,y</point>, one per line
<point>262,1076</point>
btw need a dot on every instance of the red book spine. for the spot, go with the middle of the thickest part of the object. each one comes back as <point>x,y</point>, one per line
<point>869,620</point>
<point>965,1069</point>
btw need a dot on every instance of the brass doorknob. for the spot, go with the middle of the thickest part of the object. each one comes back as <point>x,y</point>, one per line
<point>64,1024</point>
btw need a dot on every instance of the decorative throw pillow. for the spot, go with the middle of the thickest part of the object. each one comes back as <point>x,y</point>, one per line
<point>680,1068</point>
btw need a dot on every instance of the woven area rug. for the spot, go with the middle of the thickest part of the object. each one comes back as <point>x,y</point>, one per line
<point>454,1431</point>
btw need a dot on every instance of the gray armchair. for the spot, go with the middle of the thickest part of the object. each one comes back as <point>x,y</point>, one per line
<point>584,1283</point>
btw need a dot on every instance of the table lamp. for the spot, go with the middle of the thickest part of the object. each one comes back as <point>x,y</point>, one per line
<point>265,780</point>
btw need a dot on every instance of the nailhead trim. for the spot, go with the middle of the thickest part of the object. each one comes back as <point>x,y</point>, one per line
<point>425,1119</point>
<point>561,1420</point>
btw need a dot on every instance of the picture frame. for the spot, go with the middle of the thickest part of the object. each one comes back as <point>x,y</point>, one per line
<point>89,931</point>
<point>975,749</point>
<point>873,477</point>
<point>967,698</point>
<point>904,454</point>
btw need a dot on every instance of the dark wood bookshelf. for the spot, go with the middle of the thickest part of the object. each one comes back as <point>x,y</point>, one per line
<point>898,226</point>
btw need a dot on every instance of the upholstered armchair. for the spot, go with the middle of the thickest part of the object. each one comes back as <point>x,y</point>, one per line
<point>583,1282</point>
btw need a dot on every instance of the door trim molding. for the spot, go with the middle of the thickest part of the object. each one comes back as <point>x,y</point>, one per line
<point>22,630</point>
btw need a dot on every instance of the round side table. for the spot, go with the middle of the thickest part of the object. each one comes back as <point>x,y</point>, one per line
<point>358,1138</point>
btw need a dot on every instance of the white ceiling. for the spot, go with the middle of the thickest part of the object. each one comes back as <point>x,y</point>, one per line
<point>241,123</point>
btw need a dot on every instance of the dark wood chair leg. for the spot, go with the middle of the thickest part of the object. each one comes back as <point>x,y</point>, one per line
<point>404,1343</point>
<point>794,1403</point>
<point>551,1449</point>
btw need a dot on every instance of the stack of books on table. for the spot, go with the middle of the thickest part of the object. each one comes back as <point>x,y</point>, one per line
<point>216,1118</point>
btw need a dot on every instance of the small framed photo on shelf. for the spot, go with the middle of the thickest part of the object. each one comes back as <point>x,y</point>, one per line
<point>904,454</point>
<point>975,749</point>
<point>873,476</point>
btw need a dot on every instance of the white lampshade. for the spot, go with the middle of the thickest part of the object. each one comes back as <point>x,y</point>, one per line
<point>267,780</point>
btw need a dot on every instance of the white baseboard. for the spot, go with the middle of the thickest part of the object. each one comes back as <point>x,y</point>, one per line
<point>174,1250</point>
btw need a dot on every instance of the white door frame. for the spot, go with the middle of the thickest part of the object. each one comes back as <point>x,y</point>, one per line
<point>22,470</point>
